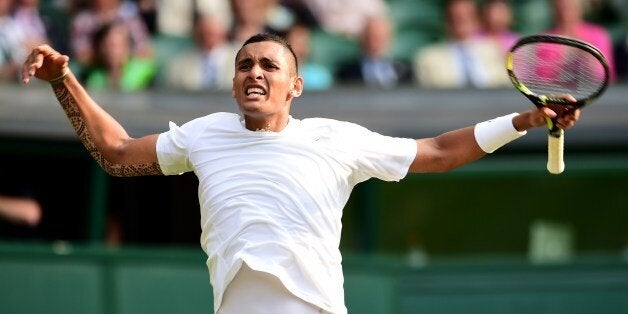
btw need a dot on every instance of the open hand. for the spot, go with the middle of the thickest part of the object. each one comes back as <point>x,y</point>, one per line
<point>44,63</point>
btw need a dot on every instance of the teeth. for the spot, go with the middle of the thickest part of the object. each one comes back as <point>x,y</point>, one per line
<point>255,90</point>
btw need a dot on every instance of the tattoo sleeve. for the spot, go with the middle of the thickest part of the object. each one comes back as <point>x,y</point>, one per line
<point>68,104</point>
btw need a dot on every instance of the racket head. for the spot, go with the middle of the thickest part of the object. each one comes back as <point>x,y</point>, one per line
<point>545,67</point>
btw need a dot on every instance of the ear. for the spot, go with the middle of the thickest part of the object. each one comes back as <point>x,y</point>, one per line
<point>297,87</point>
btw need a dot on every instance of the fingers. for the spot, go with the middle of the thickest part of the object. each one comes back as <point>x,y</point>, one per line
<point>548,112</point>
<point>43,62</point>
<point>33,61</point>
<point>565,115</point>
<point>569,115</point>
<point>568,97</point>
<point>568,119</point>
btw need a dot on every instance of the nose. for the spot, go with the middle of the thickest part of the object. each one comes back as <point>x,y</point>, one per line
<point>256,72</point>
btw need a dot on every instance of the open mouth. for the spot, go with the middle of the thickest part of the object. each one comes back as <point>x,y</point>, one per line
<point>255,91</point>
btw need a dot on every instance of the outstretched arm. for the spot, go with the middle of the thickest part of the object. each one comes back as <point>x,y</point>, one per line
<point>459,147</point>
<point>105,139</point>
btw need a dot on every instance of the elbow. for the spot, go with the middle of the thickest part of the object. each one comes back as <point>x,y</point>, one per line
<point>123,166</point>
<point>455,160</point>
<point>433,157</point>
<point>443,165</point>
<point>110,161</point>
<point>434,164</point>
<point>109,167</point>
<point>112,171</point>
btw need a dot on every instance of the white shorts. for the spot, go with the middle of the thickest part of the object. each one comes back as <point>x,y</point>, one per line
<point>255,292</point>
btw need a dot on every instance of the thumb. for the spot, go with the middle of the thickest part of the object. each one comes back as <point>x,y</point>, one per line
<point>548,112</point>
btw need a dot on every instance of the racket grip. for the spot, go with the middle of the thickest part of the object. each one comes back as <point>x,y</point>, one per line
<point>555,163</point>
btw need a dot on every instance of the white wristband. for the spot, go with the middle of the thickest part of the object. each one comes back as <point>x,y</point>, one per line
<point>495,133</point>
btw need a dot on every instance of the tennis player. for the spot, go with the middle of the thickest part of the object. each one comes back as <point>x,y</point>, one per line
<point>271,187</point>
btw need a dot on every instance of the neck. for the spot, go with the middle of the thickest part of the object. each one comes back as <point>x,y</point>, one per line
<point>265,125</point>
<point>568,28</point>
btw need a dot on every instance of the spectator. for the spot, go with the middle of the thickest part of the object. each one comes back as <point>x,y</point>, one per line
<point>11,43</point>
<point>101,12</point>
<point>464,59</point>
<point>315,76</point>
<point>497,21</point>
<point>29,20</point>
<point>569,21</point>
<point>207,65</point>
<point>376,68</point>
<point>115,67</point>
<point>176,18</point>
<point>346,17</point>
<point>249,18</point>
<point>265,16</point>
<point>21,29</point>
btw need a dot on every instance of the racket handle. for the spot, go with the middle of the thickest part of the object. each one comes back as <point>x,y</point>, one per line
<point>555,163</point>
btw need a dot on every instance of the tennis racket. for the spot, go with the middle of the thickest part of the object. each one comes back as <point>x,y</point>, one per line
<point>542,67</point>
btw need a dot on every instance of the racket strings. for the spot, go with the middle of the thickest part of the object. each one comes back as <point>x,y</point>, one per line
<point>551,69</point>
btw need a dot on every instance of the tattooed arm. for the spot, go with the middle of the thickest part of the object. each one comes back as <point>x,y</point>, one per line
<point>103,137</point>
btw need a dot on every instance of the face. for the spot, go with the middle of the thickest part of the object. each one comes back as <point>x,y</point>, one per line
<point>299,39</point>
<point>29,3</point>
<point>265,80</point>
<point>115,48</point>
<point>210,33</point>
<point>248,11</point>
<point>462,17</point>
<point>5,7</point>
<point>567,12</point>
<point>104,5</point>
<point>497,16</point>
<point>377,37</point>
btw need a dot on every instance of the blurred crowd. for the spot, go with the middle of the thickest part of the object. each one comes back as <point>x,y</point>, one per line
<point>126,46</point>
<point>191,44</point>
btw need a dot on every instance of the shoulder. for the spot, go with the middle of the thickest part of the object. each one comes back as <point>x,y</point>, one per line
<point>217,117</point>
<point>323,122</point>
<point>437,47</point>
<point>214,119</point>
<point>227,49</point>
<point>489,50</point>
<point>188,134</point>
<point>83,18</point>
<point>141,65</point>
<point>595,34</point>
<point>593,28</point>
<point>325,125</point>
<point>190,54</point>
<point>184,65</point>
<point>433,51</point>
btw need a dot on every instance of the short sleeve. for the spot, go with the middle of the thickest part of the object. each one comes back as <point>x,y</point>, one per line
<point>172,149</point>
<point>375,155</point>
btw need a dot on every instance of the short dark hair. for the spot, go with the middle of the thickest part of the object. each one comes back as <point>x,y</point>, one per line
<point>261,37</point>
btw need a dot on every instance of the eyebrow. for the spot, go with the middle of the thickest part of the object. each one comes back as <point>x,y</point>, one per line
<point>245,60</point>
<point>249,59</point>
<point>263,59</point>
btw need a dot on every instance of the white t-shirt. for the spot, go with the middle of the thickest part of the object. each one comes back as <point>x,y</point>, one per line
<point>275,199</point>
